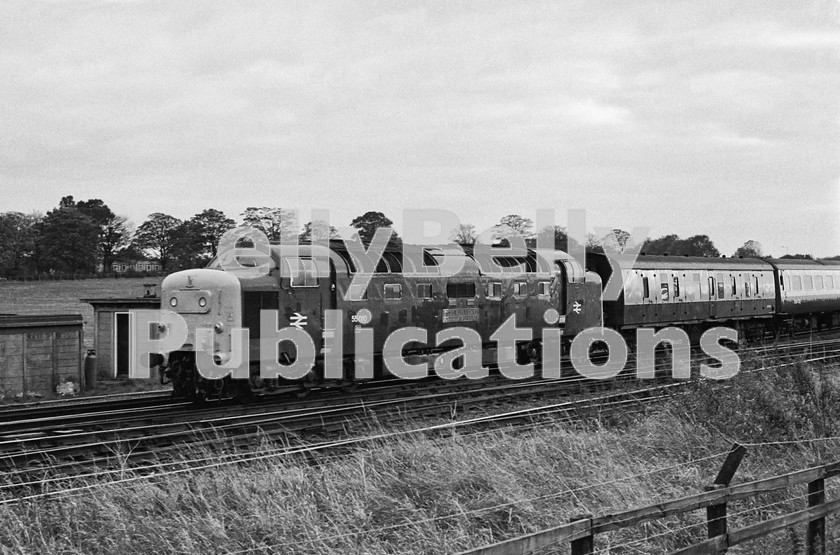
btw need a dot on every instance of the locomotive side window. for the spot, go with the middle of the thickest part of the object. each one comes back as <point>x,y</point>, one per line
<point>494,290</point>
<point>424,290</point>
<point>302,272</point>
<point>809,283</point>
<point>393,291</point>
<point>460,290</point>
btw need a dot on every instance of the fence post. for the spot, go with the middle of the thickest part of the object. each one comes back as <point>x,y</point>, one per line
<point>586,545</point>
<point>716,514</point>
<point>815,538</point>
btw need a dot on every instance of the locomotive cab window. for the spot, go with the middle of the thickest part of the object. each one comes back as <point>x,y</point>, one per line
<point>393,291</point>
<point>302,272</point>
<point>424,290</point>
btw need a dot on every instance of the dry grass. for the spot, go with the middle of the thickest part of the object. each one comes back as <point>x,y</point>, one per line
<point>442,494</point>
<point>416,494</point>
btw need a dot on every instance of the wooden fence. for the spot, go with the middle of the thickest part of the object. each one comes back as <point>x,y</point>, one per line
<point>72,277</point>
<point>580,533</point>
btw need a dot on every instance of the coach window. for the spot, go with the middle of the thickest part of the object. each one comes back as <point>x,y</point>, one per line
<point>747,285</point>
<point>424,290</point>
<point>494,290</point>
<point>545,288</point>
<point>721,286</point>
<point>757,290</point>
<point>734,285</point>
<point>302,272</point>
<point>665,291</point>
<point>818,283</point>
<point>829,282</point>
<point>796,283</point>
<point>393,291</point>
<point>646,288</point>
<point>520,288</point>
<point>809,283</point>
<point>676,287</point>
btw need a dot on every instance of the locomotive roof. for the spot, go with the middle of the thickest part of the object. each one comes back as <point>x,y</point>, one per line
<point>394,261</point>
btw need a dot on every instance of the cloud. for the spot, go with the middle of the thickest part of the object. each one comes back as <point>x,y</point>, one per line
<point>486,108</point>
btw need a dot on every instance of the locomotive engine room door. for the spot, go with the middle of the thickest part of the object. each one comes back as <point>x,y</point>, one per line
<point>308,293</point>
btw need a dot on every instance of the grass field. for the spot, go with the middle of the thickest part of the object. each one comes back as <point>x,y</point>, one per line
<point>438,494</point>
<point>62,297</point>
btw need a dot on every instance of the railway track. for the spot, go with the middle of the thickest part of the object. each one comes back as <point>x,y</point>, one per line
<point>101,439</point>
<point>55,442</point>
<point>25,482</point>
<point>88,405</point>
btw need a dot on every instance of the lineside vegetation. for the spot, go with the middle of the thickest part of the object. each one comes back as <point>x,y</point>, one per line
<point>444,493</point>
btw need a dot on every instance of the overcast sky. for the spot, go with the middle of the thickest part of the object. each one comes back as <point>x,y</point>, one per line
<point>691,117</point>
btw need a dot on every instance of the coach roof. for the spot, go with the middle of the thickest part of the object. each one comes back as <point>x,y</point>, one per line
<point>665,263</point>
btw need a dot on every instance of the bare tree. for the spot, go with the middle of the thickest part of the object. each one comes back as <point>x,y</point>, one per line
<point>464,234</point>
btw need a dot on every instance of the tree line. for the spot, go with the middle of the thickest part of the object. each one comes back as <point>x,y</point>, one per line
<point>84,237</point>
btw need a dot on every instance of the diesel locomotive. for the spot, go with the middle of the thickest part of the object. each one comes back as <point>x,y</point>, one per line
<point>411,286</point>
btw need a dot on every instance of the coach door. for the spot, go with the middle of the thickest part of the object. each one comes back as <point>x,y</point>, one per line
<point>712,294</point>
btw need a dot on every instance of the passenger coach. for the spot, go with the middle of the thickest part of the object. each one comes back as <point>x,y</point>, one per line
<point>694,293</point>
